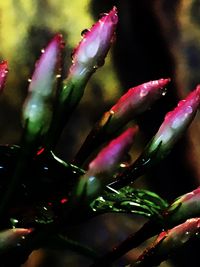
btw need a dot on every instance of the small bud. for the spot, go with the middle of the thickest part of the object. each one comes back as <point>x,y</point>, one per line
<point>137,100</point>
<point>106,162</point>
<point>93,48</point>
<point>10,237</point>
<point>184,207</point>
<point>110,157</point>
<point>3,74</point>
<point>175,123</point>
<point>37,110</point>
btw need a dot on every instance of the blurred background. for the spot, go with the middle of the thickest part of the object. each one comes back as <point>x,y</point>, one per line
<point>155,39</point>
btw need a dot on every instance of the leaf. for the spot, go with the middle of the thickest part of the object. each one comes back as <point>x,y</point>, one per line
<point>129,200</point>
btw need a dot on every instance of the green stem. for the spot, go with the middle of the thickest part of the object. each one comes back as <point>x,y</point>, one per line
<point>68,98</point>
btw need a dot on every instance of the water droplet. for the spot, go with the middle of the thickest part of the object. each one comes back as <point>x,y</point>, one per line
<point>29,80</point>
<point>123,165</point>
<point>143,92</point>
<point>58,76</point>
<point>84,32</point>
<point>42,50</point>
<point>164,91</point>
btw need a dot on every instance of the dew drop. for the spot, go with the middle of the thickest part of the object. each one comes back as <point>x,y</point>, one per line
<point>164,91</point>
<point>45,168</point>
<point>123,165</point>
<point>58,76</point>
<point>29,80</point>
<point>42,50</point>
<point>84,32</point>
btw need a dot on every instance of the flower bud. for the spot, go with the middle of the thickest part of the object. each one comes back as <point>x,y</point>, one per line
<point>175,123</point>
<point>137,100</point>
<point>184,207</point>
<point>93,48</point>
<point>168,242</point>
<point>109,157</point>
<point>37,109</point>
<point>3,74</point>
<point>10,237</point>
<point>105,163</point>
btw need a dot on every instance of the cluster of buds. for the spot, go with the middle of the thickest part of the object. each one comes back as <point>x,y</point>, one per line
<point>44,121</point>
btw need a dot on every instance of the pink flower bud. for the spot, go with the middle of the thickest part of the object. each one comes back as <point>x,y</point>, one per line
<point>38,105</point>
<point>104,164</point>
<point>11,237</point>
<point>110,156</point>
<point>134,102</point>
<point>184,207</point>
<point>168,242</point>
<point>93,48</point>
<point>3,74</point>
<point>176,122</point>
